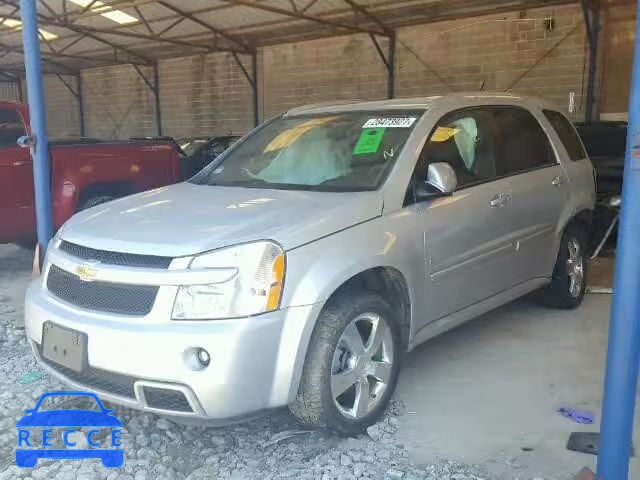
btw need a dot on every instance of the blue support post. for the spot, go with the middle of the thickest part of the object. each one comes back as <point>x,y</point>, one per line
<point>623,354</point>
<point>35,94</point>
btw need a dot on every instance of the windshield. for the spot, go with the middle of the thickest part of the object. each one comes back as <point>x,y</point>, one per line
<point>331,152</point>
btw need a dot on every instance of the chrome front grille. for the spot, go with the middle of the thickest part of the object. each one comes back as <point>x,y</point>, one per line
<point>136,300</point>
<point>115,258</point>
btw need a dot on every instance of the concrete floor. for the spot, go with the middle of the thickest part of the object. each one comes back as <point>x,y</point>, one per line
<point>484,392</point>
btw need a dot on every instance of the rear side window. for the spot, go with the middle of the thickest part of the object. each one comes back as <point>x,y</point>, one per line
<point>568,135</point>
<point>525,146</point>
<point>11,127</point>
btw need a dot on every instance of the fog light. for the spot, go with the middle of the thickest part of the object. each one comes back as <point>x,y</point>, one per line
<point>203,357</point>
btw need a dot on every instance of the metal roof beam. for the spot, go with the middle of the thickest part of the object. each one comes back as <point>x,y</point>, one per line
<point>362,10</point>
<point>73,91</point>
<point>144,20</point>
<point>92,32</point>
<point>304,16</point>
<point>89,32</point>
<point>45,57</point>
<point>243,45</point>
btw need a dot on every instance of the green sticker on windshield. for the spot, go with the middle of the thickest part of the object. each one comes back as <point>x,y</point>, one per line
<point>369,141</point>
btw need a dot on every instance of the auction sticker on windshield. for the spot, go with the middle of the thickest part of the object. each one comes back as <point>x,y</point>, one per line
<point>369,141</point>
<point>390,122</point>
<point>54,432</point>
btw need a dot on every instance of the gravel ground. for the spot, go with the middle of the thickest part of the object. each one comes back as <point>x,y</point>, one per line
<point>155,448</point>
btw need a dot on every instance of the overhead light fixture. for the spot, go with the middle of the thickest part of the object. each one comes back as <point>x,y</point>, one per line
<point>106,11</point>
<point>47,35</point>
<point>119,16</point>
<point>17,25</point>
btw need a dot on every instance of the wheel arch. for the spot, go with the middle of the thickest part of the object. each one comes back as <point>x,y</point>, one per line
<point>387,281</point>
<point>582,218</point>
<point>390,284</point>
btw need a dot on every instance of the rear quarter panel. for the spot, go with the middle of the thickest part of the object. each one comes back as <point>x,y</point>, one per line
<point>78,167</point>
<point>580,174</point>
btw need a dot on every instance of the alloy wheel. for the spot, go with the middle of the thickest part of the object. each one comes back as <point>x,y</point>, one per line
<point>362,365</point>
<point>575,267</point>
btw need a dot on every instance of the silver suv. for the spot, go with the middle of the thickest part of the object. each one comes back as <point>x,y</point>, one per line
<point>300,266</point>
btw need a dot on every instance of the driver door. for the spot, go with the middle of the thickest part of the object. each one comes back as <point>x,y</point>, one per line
<point>468,235</point>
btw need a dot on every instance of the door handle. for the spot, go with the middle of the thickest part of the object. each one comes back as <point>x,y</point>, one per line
<point>500,200</point>
<point>19,163</point>
<point>559,180</point>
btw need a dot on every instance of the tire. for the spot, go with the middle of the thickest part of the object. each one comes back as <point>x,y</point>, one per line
<point>562,292</point>
<point>94,201</point>
<point>331,356</point>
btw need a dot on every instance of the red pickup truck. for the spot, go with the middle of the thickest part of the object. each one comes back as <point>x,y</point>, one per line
<point>84,173</point>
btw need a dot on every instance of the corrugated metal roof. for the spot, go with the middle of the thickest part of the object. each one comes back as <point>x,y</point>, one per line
<point>88,33</point>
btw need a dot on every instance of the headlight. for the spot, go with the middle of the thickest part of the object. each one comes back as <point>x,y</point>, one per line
<point>253,286</point>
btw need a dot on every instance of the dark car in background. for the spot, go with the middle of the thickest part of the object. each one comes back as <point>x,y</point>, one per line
<point>606,143</point>
<point>201,151</point>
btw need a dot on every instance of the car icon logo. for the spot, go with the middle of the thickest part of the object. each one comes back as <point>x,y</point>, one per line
<point>87,271</point>
<point>67,420</point>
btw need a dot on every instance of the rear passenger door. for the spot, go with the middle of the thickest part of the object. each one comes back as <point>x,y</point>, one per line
<point>576,161</point>
<point>539,186</point>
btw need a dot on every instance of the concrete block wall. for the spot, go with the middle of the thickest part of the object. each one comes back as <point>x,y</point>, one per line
<point>617,41</point>
<point>117,102</point>
<point>208,94</point>
<point>514,51</point>
<point>340,68</point>
<point>205,95</point>
<point>63,115</point>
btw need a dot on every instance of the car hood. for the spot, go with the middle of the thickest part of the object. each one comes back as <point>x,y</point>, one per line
<point>187,219</point>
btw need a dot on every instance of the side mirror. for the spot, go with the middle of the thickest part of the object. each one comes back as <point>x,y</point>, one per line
<point>441,180</point>
<point>442,177</point>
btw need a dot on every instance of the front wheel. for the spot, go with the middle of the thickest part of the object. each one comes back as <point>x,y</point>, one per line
<point>352,365</point>
<point>569,280</point>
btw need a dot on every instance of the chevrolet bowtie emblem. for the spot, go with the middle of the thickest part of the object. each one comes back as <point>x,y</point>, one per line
<point>87,272</point>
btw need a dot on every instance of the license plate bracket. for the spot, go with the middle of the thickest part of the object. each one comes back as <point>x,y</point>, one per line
<point>64,346</point>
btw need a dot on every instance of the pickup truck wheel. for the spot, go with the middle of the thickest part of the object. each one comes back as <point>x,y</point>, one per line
<point>352,365</point>
<point>569,280</point>
<point>94,201</point>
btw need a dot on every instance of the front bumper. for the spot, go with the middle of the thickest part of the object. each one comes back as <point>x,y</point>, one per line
<point>255,361</point>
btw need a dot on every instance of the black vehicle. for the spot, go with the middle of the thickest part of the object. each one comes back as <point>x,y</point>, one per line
<point>606,143</point>
<point>201,151</point>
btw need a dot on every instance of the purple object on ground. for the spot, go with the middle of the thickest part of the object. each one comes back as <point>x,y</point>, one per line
<point>578,416</point>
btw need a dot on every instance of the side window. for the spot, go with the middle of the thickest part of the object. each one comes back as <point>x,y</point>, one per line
<point>11,127</point>
<point>525,146</point>
<point>464,139</point>
<point>568,135</point>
